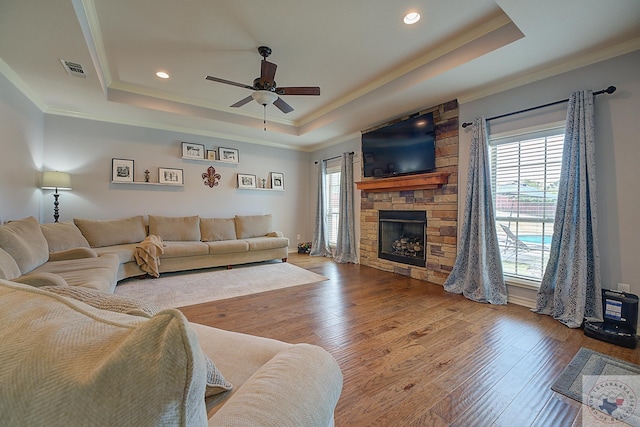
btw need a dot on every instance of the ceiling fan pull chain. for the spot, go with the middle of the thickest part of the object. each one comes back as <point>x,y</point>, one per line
<point>264,109</point>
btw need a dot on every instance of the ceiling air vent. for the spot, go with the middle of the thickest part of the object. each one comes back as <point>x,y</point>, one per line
<point>73,68</point>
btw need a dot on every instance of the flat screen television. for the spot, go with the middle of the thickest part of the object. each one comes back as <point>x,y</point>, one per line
<point>406,147</point>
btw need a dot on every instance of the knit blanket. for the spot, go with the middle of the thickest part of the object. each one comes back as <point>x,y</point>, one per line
<point>148,254</point>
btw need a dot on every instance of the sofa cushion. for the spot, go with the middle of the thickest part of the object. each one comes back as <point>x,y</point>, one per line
<point>252,225</point>
<point>62,236</point>
<point>175,228</point>
<point>125,252</point>
<point>265,243</point>
<point>75,253</point>
<point>8,267</point>
<point>97,273</point>
<point>105,301</point>
<point>215,229</point>
<point>109,232</point>
<point>42,279</point>
<point>74,364</point>
<point>180,249</point>
<point>24,241</point>
<point>227,247</point>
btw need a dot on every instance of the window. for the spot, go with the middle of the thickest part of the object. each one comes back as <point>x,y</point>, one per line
<point>525,174</point>
<point>333,203</point>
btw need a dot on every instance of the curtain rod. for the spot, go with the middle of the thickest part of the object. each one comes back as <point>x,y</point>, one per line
<point>334,157</point>
<point>608,90</point>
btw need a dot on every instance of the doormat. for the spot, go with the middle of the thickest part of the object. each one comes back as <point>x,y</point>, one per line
<point>610,387</point>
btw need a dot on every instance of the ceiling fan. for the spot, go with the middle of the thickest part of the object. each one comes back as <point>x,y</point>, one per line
<point>265,90</point>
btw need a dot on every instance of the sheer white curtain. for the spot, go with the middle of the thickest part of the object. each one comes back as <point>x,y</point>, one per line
<point>571,289</point>
<point>477,272</point>
<point>346,245</point>
<point>320,243</point>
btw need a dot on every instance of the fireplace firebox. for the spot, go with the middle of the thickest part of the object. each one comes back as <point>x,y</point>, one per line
<point>401,236</point>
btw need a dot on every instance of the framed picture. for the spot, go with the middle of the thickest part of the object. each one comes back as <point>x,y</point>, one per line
<point>246,181</point>
<point>170,176</point>
<point>193,151</point>
<point>211,155</point>
<point>121,170</point>
<point>277,181</point>
<point>230,155</point>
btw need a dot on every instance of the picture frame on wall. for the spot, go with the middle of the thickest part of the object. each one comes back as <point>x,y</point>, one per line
<point>211,155</point>
<point>230,155</point>
<point>246,181</point>
<point>277,181</point>
<point>170,176</point>
<point>121,170</point>
<point>193,151</point>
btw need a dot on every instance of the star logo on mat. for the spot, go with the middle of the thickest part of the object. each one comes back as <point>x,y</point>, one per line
<point>611,400</point>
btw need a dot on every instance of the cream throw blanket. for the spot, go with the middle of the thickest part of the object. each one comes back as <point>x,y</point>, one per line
<point>148,253</point>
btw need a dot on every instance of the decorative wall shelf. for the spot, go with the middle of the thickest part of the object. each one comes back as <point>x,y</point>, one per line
<point>147,183</point>
<point>221,162</point>
<point>259,189</point>
<point>425,181</point>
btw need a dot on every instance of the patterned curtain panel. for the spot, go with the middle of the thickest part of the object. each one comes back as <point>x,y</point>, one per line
<point>571,289</point>
<point>346,243</point>
<point>477,272</point>
<point>320,244</point>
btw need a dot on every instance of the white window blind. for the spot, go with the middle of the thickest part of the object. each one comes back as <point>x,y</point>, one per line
<point>333,202</point>
<point>525,168</point>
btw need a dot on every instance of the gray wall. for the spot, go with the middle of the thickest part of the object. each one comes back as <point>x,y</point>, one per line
<point>21,144</point>
<point>617,154</point>
<point>85,148</point>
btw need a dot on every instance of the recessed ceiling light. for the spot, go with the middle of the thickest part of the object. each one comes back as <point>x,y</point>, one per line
<point>162,74</point>
<point>411,18</point>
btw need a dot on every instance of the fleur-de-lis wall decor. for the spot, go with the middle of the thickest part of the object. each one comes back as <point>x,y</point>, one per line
<point>210,177</point>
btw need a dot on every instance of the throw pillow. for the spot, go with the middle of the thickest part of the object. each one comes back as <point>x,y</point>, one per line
<point>111,232</point>
<point>252,225</point>
<point>105,301</point>
<point>24,241</point>
<point>216,229</point>
<point>62,236</point>
<point>179,228</point>
<point>9,270</point>
<point>216,383</point>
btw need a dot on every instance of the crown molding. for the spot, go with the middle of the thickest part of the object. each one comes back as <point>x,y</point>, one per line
<point>572,64</point>
<point>15,80</point>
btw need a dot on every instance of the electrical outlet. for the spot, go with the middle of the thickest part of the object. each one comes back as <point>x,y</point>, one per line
<point>298,237</point>
<point>624,287</point>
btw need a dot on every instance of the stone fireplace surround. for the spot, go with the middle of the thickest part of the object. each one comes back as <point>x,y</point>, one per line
<point>438,197</point>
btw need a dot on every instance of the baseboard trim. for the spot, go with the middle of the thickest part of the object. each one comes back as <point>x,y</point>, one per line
<point>526,302</point>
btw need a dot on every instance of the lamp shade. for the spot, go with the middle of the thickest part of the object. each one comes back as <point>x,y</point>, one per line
<point>54,180</point>
<point>264,97</point>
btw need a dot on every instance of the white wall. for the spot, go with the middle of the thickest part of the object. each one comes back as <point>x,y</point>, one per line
<point>21,142</point>
<point>617,154</point>
<point>85,148</point>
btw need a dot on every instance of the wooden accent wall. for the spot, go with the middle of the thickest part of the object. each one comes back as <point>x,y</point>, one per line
<point>440,204</point>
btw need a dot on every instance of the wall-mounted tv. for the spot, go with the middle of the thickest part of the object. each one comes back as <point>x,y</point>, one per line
<point>405,147</point>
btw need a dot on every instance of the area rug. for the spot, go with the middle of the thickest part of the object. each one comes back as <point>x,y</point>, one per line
<point>610,387</point>
<point>181,289</point>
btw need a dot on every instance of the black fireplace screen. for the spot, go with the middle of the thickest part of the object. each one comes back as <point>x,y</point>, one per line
<point>401,236</point>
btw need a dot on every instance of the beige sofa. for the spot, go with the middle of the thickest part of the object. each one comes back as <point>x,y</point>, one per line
<point>91,358</point>
<point>98,253</point>
<point>73,353</point>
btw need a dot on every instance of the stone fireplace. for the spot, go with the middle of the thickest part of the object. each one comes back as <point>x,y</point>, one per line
<point>401,236</point>
<point>434,195</point>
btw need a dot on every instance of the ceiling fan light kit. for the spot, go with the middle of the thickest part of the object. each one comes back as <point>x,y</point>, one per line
<point>265,90</point>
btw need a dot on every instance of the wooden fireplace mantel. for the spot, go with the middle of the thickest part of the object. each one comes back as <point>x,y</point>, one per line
<point>425,181</point>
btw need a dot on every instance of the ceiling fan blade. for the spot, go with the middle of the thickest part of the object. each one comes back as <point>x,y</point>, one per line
<point>300,90</point>
<point>283,106</point>
<point>267,73</point>
<point>229,82</point>
<point>243,101</point>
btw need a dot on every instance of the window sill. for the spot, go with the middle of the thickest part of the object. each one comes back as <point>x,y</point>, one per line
<point>521,283</point>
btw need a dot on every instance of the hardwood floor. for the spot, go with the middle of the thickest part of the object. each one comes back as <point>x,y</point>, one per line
<point>414,355</point>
